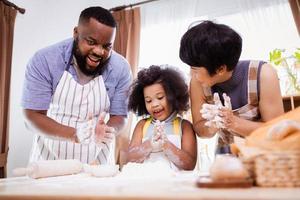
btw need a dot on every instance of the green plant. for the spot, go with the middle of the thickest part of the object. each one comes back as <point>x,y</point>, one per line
<point>291,63</point>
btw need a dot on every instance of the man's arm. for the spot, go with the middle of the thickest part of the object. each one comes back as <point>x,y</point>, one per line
<point>119,82</point>
<point>117,122</point>
<point>119,99</point>
<point>36,97</point>
<point>38,121</point>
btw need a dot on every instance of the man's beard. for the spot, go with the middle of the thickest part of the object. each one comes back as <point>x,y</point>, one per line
<point>81,62</point>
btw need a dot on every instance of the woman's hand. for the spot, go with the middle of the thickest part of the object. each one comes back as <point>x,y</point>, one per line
<point>228,119</point>
<point>217,115</point>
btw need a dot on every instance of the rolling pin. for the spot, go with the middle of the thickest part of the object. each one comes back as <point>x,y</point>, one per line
<point>49,168</point>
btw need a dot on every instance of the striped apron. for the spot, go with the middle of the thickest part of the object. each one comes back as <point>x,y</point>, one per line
<point>73,103</point>
<point>249,111</point>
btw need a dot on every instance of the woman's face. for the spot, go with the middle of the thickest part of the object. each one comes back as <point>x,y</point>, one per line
<point>202,76</point>
<point>156,102</point>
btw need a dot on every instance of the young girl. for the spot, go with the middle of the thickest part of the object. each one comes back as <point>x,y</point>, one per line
<point>161,93</point>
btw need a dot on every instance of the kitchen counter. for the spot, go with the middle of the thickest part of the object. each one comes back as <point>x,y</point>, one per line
<point>83,186</point>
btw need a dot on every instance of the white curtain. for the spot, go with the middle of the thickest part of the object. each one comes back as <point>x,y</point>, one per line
<point>263,28</point>
<point>263,25</point>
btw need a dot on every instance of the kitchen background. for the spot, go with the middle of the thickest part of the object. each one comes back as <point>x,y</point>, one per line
<point>263,25</point>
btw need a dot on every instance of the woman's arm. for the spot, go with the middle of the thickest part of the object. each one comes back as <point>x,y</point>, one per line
<point>138,150</point>
<point>197,100</point>
<point>186,157</point>
<point>270,104</point>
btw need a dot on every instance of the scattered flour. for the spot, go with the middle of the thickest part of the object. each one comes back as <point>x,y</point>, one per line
<point>149,170</point>
<point>102,170</point>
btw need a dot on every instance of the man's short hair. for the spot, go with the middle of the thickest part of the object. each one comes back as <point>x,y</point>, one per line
<point>102,15</point>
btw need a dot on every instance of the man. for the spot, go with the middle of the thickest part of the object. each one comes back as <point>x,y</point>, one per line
<point>70,86</point>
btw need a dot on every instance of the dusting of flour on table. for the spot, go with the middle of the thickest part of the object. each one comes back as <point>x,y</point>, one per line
<point>150,170</point>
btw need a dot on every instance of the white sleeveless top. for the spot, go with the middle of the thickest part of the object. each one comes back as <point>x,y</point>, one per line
<point>173,130</point>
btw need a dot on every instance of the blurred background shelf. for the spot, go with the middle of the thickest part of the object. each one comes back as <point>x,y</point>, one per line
<point>291,102</point>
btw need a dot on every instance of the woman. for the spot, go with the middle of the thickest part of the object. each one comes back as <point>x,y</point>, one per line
<point>213,50</point>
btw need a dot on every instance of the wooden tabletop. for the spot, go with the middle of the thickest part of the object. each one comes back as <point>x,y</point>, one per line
<point>83,186</point>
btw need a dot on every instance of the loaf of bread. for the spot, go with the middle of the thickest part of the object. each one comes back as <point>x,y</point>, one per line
<point>279,134</point>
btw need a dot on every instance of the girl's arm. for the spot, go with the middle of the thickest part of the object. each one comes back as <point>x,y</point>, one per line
<point>186,157</point>
<point>270,104</point>
<point>138,151</point>
<point>197,100</point>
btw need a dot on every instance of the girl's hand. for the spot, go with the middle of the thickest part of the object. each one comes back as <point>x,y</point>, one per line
<point>140,153</point>
<point>157,137</point>
<point>156,143</point>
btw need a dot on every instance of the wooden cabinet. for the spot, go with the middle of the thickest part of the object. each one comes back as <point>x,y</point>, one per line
<point>290,102</point>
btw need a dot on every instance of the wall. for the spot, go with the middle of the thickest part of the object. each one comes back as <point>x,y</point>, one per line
<point>44,23</point>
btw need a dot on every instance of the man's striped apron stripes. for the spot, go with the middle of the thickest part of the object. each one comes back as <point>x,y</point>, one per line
<point>73,103</point>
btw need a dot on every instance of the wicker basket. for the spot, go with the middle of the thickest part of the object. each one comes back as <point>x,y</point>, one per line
<point>249,164</point>
<point>278,169</point>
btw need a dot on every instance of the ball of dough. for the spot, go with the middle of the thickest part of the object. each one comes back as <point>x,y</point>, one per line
<point>227,168</point>
<point>102,170</point>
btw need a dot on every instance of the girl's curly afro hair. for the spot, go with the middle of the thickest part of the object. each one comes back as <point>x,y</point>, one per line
<point>172,81</point>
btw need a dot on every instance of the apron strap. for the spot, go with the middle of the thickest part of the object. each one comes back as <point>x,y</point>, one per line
<point>69,62</point>
<point>146,125</point>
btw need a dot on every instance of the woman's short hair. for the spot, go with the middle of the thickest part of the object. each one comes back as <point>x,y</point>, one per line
<point>211,45</point>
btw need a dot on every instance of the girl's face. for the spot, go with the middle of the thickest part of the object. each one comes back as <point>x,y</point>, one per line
<point>156,102</point>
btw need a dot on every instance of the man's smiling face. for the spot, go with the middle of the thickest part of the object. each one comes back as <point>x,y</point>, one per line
<point>92,46</point>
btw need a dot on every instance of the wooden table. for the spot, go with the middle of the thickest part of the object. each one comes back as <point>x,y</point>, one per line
<point>83,186</point>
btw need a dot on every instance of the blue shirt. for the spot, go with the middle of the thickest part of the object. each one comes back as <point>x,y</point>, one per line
<point>46,67</point>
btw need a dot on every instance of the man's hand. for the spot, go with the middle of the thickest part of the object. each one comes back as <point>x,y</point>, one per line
<point>95,131</point>
<point>85,131</point>
<point>103,133</point>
